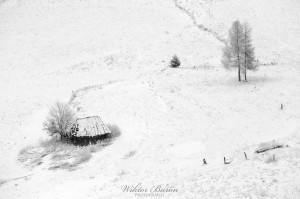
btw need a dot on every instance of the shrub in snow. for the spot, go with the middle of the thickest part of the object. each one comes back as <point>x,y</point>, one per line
<point>271,159</point>
<point>115,131</point>
<point>175,63</point>
<point>59,120</point>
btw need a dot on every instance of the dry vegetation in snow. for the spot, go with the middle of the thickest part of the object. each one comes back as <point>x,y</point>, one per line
<point>57,154</point>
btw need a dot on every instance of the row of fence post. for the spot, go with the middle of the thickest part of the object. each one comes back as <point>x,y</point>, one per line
<point>226,161</point>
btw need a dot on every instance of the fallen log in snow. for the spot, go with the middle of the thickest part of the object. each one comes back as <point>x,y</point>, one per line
<point>268,146</point>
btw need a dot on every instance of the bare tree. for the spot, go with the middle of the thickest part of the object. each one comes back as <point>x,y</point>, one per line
<point>248,51</point>
<point>59,120</point>
<point>232,52</point>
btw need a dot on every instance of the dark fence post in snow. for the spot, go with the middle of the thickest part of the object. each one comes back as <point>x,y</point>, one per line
<point>226,162</point>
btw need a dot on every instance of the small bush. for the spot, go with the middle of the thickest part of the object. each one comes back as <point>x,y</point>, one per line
<point>270,159</point>
<point>73,96</point>
<point>115,131</point>
<point>174,63</point>
<point>59,120</point>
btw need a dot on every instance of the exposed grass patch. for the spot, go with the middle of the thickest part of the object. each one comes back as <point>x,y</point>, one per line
<point>97,147</point>
<point>61,154</point>
<point>26,149</point>
<point>62,165</point>
<point>83,156</point>
<point>130,154</point>
<point>64,155</point>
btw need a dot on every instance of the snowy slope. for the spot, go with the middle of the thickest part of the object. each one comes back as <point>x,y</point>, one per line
<point>170,118</point>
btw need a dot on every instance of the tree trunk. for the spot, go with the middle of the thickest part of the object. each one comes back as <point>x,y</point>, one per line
<point>238,54</point>
<point>245,67</point>
<point>239,73</point>
<point>245,58</point>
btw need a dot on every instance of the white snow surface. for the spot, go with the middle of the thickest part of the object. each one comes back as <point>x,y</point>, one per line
<point>117,54</point>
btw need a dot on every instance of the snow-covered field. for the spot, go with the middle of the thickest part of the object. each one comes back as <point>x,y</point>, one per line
<point>116,53</point>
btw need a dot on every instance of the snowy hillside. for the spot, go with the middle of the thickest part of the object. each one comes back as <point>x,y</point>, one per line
<point>115,54</point>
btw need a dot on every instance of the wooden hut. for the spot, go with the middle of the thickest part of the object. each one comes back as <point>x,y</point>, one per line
<point>89,130</point>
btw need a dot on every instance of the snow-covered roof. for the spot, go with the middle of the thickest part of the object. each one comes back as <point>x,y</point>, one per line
<point>89,126</point>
